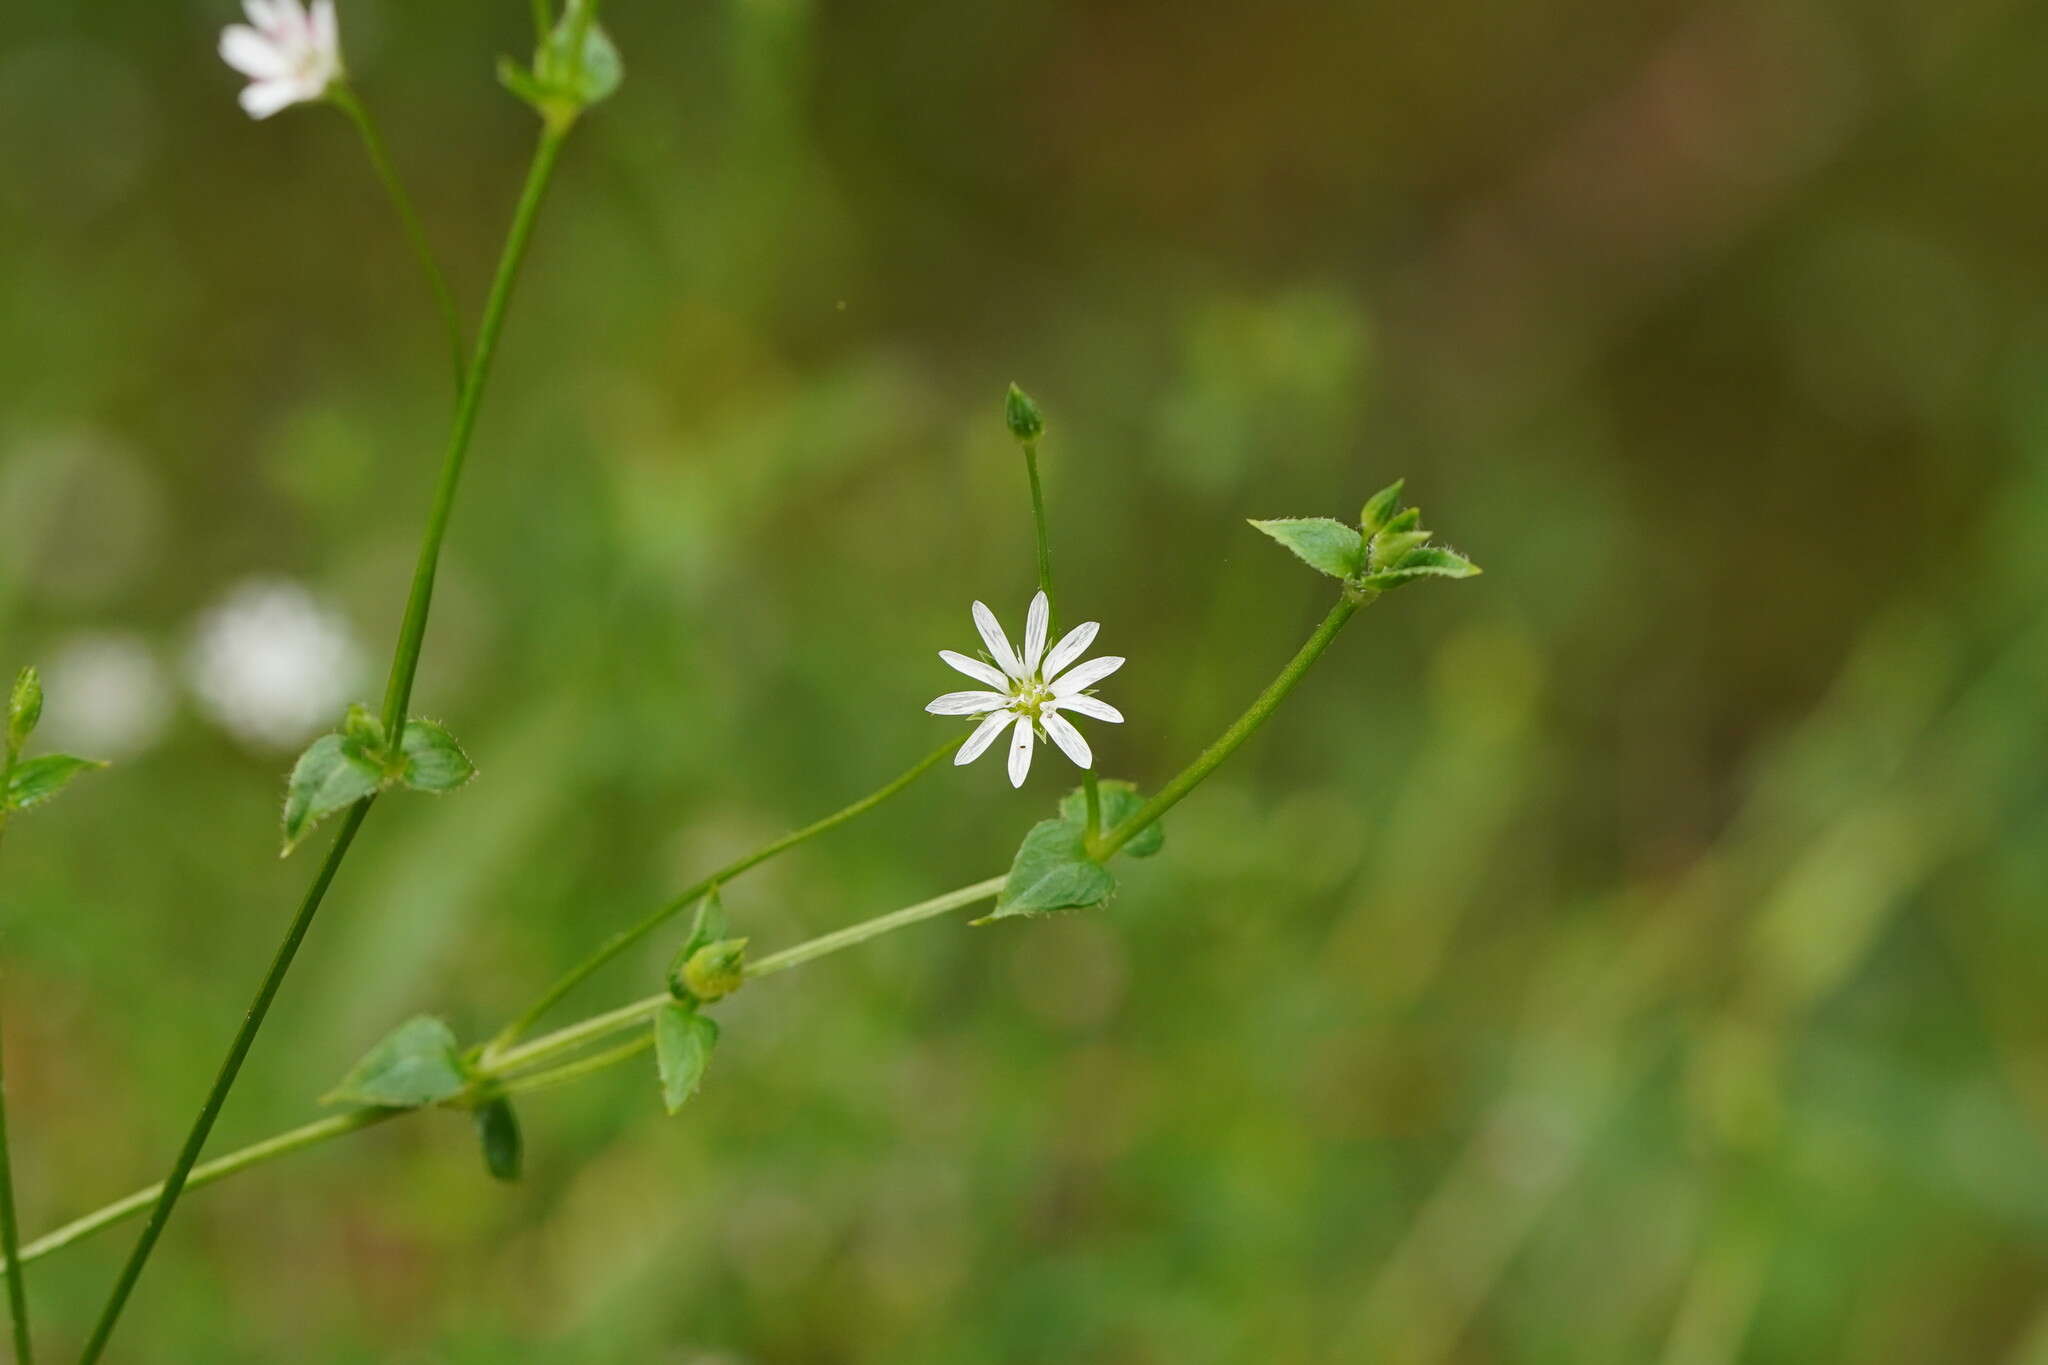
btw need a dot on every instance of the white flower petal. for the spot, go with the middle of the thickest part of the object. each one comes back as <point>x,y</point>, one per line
<point>1087,675</point>
<point>326,32</point>
<point>250,53</point>
<point>976,669</point>
<point>967,703</point>
<point>265,98</point>
<point>1069,648</point>
<point>1067,737</point>
<point>997,642</point>
<point>1037,622</point>
<point>1021,740</point>
<point>983,735</point>
<point>1086,706</point>
<point>262,13</point>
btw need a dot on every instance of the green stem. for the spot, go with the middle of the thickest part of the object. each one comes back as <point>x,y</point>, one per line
<point>513,1068</point>
<point>404,665</point>
<point>412,634</point>
<point>1239,731</point>
<point>188,1156</point>
<point>1044,544</point>
<point>675,905</point>
<point>10,1226</point>
<point>345,99</point>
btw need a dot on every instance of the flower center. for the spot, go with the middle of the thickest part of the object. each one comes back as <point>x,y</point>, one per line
<point>1028,696</point>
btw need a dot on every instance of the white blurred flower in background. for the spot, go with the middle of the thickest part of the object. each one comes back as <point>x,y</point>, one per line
<point>291,55</point>
<point>271,665</point>
<point>108,695</point>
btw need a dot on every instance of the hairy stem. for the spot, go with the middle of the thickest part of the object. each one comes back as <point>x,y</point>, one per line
<point>10,1226</point>
<point>1240,730</point>
<point>404,665</point>
<point>519,1069</point>
<point>675,905</point>
<point>345,99</point>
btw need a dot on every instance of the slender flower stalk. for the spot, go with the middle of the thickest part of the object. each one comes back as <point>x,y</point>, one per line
<point>404,667</point>
<point>10,1227</point>
<point>345,99</point>
<point>690,895</point>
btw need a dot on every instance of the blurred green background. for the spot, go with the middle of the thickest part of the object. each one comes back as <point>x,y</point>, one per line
<point>1635,955</point>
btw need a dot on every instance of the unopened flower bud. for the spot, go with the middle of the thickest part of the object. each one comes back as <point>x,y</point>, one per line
<point>1026,423</point>
<point>24,708</point>
<point>714,971</point>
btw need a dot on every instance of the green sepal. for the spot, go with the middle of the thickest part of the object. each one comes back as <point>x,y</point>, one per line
<point>434,762</point>
<point>1379,508</point>
<point>335,771</point>
<point>1022,416</point>
<point>24,708</point>
<point>1323,543</point>
<point>563,82</point>
<point>418,1063</point>
<point>1119,801</point>
<point>497,1132</point>
<point>1390,548</point>
<point>36,780</point>
<point>707,927</point>
<point>1431,561</point>
<point>683,1040</point>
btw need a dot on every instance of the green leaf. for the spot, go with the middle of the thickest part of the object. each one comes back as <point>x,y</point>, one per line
<point>520,82</point>
<point>24,708</point>
<point>1120,801</point>
<point>418,1063</point>
<point>434,762</point>
<point>36,780</point>
<point>1323,543</point>
<point>334,772</point>
<point>683,1040</point>
<point>1403,522</point>
<point>1431,561</point>
<point>1389,548</point>
<point>497,1131</point>
<point>1052,871</point>
<point>1380,507</point>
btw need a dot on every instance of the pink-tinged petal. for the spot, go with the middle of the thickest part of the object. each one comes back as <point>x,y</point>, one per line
<point>997,642</point>
<point>967,703</point>
<point>1067,737</point>
<point>1070,647</point>
<point>1037,622</point>
<point>1087,706</point>
<point>1087,675</point>
<point>250,53</point>
<point>984,734</point>
<point>1021,740</point>
<point>265,98</point>
<point>975,669</point>
<point>326,31</point>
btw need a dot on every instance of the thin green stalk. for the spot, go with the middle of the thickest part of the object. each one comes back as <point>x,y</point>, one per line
<point>413,632</point>
<point>1240,730</point>
<point>1038,520</point>
<point>404,665</point>
<point>513,1069</point>
<point>345,99</point>
<point>675,905</point>
<point>10,1226</point>
<point>582,1066</point>
<point>188,1156</point>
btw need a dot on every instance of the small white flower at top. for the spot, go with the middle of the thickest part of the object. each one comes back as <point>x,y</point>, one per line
<point>289,55</point>
<point>1031,689</point>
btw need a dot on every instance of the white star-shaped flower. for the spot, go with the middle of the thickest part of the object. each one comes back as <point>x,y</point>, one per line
<point>290,56</point>
<point>1031,689</point>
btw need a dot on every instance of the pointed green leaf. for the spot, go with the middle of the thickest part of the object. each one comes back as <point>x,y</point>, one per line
<point>362,726</point>
<point>1431,561</point>
<point>1052,871</point>
<point>1401,523</point>
<point>683,1040</point>
<point>1323,543</point>
<point>416,1064</point>
<point>36,780</point>
<point>497,1131</point>
<point>1120,801</point>
<point>1380,508</point>
<point>434,762</point>
<point>334,772</point>
<point>1389,548</point>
